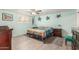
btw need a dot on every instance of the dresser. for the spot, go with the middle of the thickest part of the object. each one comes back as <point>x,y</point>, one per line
<point>5,38</point>
<point>57,32</point>
<point>76,37</point>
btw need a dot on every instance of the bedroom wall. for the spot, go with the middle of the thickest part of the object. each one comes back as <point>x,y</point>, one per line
<point>77,17</point>
<point>67,21</point>
<point>18,27</point>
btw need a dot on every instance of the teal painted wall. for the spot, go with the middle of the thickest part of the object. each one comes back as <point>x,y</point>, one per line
<point>18,28</point>
<point>67,21</point>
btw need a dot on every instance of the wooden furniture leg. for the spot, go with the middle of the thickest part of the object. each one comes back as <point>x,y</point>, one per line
<point>66,42</point>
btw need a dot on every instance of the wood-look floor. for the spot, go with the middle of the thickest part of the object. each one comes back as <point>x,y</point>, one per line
<point>26,43</point>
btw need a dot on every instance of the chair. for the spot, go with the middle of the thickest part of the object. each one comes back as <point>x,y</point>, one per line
<point>69,39</point>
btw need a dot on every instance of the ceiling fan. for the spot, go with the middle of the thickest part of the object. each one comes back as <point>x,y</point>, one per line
<point>35,11</point>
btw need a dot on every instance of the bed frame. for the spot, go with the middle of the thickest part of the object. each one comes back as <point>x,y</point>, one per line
<point>39,37</point>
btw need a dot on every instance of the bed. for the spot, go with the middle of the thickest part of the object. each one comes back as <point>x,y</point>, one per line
<point>40,32</point>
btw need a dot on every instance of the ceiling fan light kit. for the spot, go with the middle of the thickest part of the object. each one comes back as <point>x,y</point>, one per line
<point>35,11</point>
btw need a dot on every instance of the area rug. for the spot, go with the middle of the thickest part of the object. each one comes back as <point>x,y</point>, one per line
<point>58,41</point>
<point>55,40</point>
<point>49,40</point>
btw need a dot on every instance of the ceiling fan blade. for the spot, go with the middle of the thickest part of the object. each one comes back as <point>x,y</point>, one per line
<point>39,10</point>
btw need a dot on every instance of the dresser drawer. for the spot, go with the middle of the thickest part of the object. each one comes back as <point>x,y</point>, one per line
<point>57,30</point>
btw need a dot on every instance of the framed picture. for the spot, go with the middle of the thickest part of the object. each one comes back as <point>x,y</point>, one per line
<point>47,18</point>
<point>39,18</point>
<point>59,15</point>
<point>7,17</point>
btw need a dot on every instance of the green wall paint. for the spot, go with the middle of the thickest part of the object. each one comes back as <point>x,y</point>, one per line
<point>67,21</point>
<point>18,28</point>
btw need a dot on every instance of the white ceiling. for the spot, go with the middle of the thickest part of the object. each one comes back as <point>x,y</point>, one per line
<point>44,11</point>
<point>51,11</point>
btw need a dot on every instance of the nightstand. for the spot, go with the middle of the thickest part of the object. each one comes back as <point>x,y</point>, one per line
<point>57,32</point>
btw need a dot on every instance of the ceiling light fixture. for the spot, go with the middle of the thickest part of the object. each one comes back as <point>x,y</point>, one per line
<point>35,11</point>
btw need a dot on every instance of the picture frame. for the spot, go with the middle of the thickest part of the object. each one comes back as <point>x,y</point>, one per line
<point>58,16</point>
<point>7,17</point>
<point>47,18</point>
<point>39,18</point>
